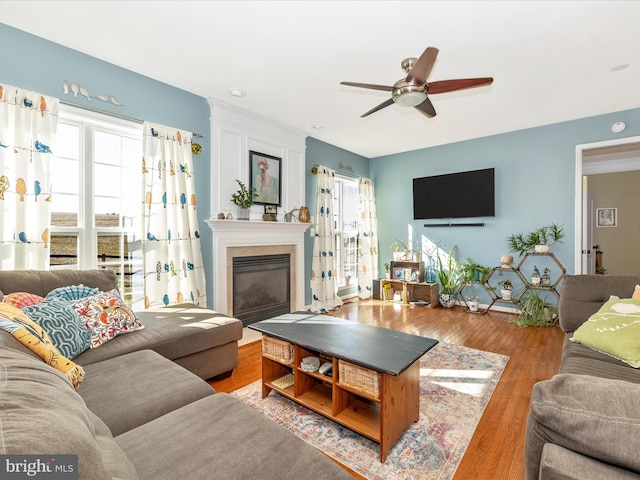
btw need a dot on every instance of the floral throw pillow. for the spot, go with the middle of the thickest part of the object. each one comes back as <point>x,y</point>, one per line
<point>22,299</point>
<point>106,316</point>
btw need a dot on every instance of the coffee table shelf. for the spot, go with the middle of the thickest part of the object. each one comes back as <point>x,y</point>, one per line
<point>379,394</point>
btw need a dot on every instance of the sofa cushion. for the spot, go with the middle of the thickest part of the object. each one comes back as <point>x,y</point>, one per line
<point>106,316</point>
<point>559,463</point>
<point>72,292</point>
<point>22,299</point>
<point>584,414</point>
<point>63,325</point>
<point>41,282</point>
<point>614,330</point>
<point>154,386</point>
<point>232,440</point>
<point>173,332</point>
<point>41,413</point>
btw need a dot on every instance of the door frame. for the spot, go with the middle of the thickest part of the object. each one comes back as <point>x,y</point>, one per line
<point>580,225</point>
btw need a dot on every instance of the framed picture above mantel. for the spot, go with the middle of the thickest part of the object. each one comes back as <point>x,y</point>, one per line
<point>265,175</point>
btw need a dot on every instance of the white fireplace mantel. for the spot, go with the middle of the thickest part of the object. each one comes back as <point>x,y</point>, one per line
<point>229,235</point>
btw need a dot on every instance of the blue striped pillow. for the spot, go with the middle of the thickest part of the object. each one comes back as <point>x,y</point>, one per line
<point>63,324</point>
<point>72,292</point>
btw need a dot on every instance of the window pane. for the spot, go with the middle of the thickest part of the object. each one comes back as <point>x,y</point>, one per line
<point>122,254</point>
<point>64,250</point>
<point>108,180</point>
<point>67,141</point>
<point>107,148</point>
<point>64,219</point>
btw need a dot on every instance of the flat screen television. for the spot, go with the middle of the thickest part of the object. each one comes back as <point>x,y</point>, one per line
<point>455,195</point>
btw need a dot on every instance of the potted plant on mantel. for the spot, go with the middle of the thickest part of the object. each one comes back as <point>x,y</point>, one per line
<point>538,240</point>
<point>288,216</point>
<point>243,199</point>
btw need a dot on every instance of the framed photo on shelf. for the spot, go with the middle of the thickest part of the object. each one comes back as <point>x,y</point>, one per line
<point>271,209</point>
<point>265,175</point>
<point>398,273</point>
<point>606,217</point>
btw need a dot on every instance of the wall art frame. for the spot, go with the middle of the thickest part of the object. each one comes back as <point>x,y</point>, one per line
<point>606,217</point>
<point>265,175</point>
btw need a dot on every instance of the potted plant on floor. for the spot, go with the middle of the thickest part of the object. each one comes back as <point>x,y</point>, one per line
<point>450,279</point>
<point>473,302</point>
<point>535,312</point>
<point>538,240</point>
<point>243,199</point>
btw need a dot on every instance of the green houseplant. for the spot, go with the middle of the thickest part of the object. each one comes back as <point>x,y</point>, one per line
<point>450,279</point>
<point>471,271</point>
<point>539,240</point>
<point>536,312</point>
<point>243,199</point>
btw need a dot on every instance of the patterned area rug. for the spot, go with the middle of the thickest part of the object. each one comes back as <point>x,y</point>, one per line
<point>456,384</point>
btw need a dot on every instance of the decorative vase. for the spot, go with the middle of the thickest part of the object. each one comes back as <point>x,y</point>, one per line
<point>541,248</point>
<point>244,213</point>
<point>447,300</point>
<point>288,217</point>
<point>304,216</point>
<point>506,260</point>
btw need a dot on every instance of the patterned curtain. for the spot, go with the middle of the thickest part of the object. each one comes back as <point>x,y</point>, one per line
<point>172,259</point>
<point>367,240</point>
<point>324,290</point>
<point>28,124</point>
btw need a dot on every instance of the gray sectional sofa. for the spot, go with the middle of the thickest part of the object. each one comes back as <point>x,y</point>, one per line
<point>138,413</point>
<point>584,423</point>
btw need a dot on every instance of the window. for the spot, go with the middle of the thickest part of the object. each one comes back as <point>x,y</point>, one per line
<point>95,201</point>
<point>346,216</point>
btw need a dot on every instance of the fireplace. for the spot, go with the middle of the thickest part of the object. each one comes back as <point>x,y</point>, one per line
<point>261,287</point>
<point>236,239</point>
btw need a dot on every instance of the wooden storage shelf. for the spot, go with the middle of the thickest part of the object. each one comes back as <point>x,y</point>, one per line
<point>345,404</point>
<point>411,291</point>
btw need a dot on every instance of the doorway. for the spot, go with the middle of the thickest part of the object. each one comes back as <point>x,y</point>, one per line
<point>621,155</point>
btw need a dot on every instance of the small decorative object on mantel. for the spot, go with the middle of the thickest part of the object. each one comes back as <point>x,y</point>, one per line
<point>270,213</point>
<point>506,260</point>
<point>304,216</point>
<point>288,216</point>
<point>243,199</point>
<point>229,216</point>
<point>221,216</point>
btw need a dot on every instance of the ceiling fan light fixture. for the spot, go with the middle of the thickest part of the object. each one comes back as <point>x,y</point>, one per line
<point>408,95</point>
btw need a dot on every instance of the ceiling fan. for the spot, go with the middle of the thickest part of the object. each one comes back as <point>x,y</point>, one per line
<point>413,91</point>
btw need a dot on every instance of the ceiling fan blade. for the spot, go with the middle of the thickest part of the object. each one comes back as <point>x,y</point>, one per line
<point>420,72</point>
<point>368,85</point>
<point>379,107</point>
<point>460,84</point>
<point>427,108</point>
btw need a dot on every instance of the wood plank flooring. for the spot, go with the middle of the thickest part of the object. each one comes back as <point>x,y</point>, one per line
<point>496,451</point>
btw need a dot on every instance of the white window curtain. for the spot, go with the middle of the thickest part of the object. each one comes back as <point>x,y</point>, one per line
<point>28,122</point>
<point>367,239</point>
<point>172,258</point>
<point>324,290</point>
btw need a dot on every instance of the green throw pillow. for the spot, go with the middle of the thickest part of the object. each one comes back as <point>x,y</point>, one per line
<point>614,330</point>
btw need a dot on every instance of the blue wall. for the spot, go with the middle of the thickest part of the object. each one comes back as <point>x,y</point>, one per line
<point>535,186</point>
<point>36,64</point>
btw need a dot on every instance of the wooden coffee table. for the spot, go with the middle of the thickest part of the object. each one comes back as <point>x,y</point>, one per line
<point>374,388</point>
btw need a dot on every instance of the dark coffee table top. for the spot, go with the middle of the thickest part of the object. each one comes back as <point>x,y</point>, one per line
<point>377,348</point>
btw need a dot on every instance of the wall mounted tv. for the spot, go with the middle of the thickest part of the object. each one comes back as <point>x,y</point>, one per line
<point>455,195</point>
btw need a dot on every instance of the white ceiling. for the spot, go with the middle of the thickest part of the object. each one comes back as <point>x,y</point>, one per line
<point>551,61</point>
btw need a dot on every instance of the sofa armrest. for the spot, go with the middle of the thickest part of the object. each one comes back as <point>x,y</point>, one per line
<point>596,417</point>
<point>558,463</point>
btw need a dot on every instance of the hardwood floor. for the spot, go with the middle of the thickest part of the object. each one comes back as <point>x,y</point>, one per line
<point>497,449</point>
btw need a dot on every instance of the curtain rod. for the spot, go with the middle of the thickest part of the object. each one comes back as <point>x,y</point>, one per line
<point>117,115</point>
<point>314,171</point>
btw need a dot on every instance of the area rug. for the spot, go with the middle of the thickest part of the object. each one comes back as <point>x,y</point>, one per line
<point>456,384</point>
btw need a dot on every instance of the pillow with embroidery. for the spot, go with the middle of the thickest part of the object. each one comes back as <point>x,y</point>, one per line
<point>22,299</point>
<point>63,325</point>
<point>72,292</point>
<point>106,316</point>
